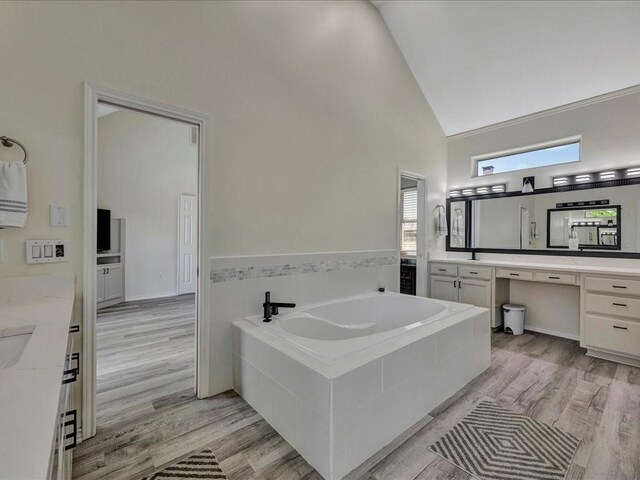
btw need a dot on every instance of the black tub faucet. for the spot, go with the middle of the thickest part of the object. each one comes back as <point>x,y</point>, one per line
<point>271,308</point>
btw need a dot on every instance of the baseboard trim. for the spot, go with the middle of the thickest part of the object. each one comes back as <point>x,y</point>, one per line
<point>555,333</point>
<point>634,362</point>
<point>135,298</point>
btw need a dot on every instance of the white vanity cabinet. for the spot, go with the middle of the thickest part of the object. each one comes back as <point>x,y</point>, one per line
<point>462,283</point>
<point>109,284</point>
<point>610,318</point>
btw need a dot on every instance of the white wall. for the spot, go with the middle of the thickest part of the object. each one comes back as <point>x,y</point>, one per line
<point>144,164</point>
<point>610,132</point>
<point>313,110</point>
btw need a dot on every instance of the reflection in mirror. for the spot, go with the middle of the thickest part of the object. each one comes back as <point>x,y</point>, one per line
<point>458,220</point>
<point>595,228</point>
<point>505,223</point>
<point>537,222</point>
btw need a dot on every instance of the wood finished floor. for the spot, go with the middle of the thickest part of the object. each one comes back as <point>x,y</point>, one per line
<point>547,378</point>
<point>145,351</point>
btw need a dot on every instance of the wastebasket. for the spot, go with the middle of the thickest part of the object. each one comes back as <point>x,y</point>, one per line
<point>514,318</point>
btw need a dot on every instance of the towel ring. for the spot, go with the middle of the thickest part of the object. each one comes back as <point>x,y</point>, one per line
<point>10,142</point>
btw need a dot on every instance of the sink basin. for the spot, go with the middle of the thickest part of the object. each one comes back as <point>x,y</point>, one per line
<point>13,341</point>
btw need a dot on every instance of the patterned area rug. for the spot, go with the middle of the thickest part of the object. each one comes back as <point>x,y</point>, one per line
<point>200,466</point>
<point>492,443</point>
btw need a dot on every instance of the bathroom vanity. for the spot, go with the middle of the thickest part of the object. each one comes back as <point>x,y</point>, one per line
<point>38,368</point>
<point>606,300</point>
<point>570,253</point>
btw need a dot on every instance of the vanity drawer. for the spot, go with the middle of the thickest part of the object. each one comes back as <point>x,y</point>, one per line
<point>551,277</point>
<point>616,335</point>
<point>483,273</point>
<point>444,269</point>
<point>612,305</point>
<point>514,274</point>
<point>612,285</point>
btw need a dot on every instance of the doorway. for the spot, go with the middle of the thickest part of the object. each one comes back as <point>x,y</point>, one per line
<point>412,233</point>
<point>144,337</point>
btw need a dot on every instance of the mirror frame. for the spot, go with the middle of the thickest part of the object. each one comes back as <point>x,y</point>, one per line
<point>541,191</point>
<point>618,227</point>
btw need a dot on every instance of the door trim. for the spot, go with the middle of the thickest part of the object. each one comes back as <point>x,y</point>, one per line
<point>423,233</point>
<point>92,94</point>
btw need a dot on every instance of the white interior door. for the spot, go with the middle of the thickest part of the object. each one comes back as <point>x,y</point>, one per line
<point>187,244</point>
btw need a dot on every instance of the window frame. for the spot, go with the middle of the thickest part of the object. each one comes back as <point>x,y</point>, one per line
<point>476,159</point>
<point>405,253</point>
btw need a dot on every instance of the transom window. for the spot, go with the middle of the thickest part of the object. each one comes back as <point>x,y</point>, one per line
<point>545,155</point>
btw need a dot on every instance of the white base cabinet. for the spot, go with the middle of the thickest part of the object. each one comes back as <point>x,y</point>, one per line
<point>610,320</point>
<point>109,284</point>
<point>110,268</point>
<point>464,284</point>
<point>67,423</point>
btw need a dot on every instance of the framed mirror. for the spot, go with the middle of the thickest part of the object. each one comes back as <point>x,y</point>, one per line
<point>603,216</point>
<point>458,221</point>
<point>596,228</point>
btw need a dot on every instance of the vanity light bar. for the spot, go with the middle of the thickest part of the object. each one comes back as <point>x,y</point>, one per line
<point>560,181</point>
<point>501,188</point>
<point>588,203</point>
<point>603,176</point>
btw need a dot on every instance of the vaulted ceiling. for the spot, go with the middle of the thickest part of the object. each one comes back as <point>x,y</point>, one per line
<point>483,62</point>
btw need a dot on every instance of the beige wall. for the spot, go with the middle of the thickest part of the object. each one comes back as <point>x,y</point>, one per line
<point>610,132</point>
<point>313,110</point>
<point>144,164</point>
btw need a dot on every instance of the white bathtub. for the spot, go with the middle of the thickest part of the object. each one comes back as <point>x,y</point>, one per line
<point>340,380</point>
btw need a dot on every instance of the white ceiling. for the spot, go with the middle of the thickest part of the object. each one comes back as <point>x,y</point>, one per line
<point>484,62</point>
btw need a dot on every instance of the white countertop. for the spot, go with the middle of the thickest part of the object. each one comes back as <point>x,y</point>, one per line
<point>556,267</point>
<point>30,389</point>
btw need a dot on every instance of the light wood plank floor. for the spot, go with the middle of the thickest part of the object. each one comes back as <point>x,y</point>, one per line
<point>145,351</point>
<point>548,378</point>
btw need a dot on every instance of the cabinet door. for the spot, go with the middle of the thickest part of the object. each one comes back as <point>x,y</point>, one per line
<point>444,288</point>
<point>100,284</point>
<point>475,292</point>
<point>114,283</point>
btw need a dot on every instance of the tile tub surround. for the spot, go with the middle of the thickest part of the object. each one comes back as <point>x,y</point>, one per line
<point>268,266</point>
<point>30,389</point>
<point>337,421</point>
<point>333,275</point>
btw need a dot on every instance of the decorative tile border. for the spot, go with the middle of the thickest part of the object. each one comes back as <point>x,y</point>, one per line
<point>251,272</point>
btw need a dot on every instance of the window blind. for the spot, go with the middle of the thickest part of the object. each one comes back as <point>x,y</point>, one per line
<point>409,200</point>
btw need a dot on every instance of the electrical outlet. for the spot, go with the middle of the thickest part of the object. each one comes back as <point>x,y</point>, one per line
<point>46,251</point>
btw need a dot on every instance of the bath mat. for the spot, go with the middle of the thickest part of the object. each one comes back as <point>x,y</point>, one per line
<point>201,466</point>
<point>492,443</point>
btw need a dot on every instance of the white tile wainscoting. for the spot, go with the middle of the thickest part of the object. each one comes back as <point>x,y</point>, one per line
<point>338,422</point>
<point>238,285</point>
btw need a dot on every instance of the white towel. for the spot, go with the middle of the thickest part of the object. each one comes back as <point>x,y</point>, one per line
<point>441,227</point>
<point>13,194</point>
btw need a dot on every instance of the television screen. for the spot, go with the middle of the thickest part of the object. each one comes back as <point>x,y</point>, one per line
<point>104,230</point>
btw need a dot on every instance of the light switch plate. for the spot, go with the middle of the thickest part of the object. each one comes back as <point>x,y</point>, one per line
<point>46,251</point>
<point>58,216</point>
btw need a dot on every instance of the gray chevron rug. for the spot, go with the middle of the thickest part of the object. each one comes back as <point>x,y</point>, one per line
<point>492,443</point>
<point>201,466</point>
